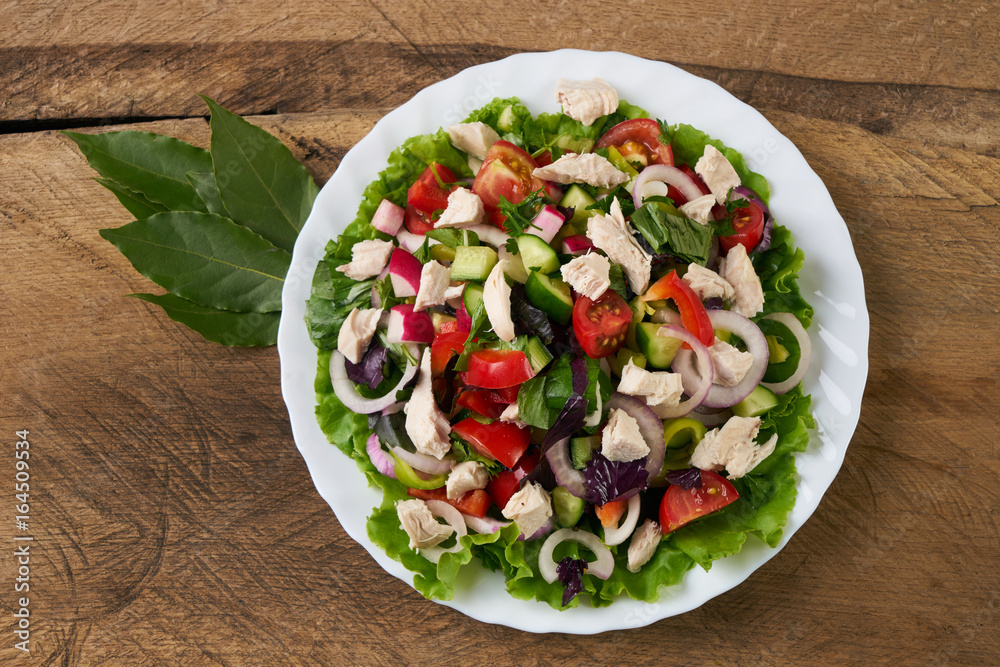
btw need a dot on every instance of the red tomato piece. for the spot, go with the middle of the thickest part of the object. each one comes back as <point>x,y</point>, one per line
<point>676,195</point>
<point>638,140</point>
<point>426,196</point>
<point>444,346</point>
<point>496,369</point>
<point>506,483</point>
<point>474,503</point>
<point>506,395</point>
<point>497,440</point>
<point>480,401</point>
<point>748,224</point>
<point>600,326</point>
<point>682,506</point>
<point>694,317</point>
<point>506,172</point>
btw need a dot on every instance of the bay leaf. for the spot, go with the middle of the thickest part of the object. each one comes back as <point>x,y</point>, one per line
<point>135,202</point>
<point>205,258</point>
<point>219,326</point>
<point>260,182</point>
<point>153,165</point>
<point>204,184</point>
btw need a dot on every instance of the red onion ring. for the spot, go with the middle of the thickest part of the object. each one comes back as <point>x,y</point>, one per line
<point>620,533</point>
<point>562,467</point>
<point>711,417</point>
<point>669,175</point>
<point>601,567</point>
<point>651,429</point>
<point>421,462</point>
<point>347,392</point>
<point>726,397</point>
<point>378,457</point>
<point>484,526</point>
<point>805,349</point>
<point>696,388</point>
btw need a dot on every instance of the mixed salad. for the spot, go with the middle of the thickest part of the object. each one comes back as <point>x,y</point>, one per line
<point>568,346</point>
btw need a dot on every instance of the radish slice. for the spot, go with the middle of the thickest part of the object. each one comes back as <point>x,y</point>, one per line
<point>651,429</point>
<point>601,567</point>
<point>805,347</point>
<point>347,392</point>
<point>620,533</point>
<point>485,526</point>
<point>577,244</point>
<point>408,326</point>
<point>696,390</point>
<point>388,217</point>
<point>378,457</point>
<point>454,519</point>
<point>495,236</point>
<point>719,396</point>
<point>547,223</point>
<point>670,175</point>
<point>404,271</point>
<point>422,462</point>
<point>562,468</point>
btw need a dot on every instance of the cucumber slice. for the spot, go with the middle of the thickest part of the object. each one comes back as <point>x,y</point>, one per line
<point>581,449</point>
<point>760,400</point>
<point>538,355</point>
<point>536,254</point>
<point>569,508</point>
<point>659,350</point>
<point>551,295</point>
<point>577,199</point>
<point>473,262</point>
<point>473,296</point>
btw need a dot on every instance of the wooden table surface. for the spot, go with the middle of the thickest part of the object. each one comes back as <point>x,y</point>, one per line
<point>174,522</point>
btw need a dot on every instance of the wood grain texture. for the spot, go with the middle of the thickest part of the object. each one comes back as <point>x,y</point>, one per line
<point>175,522</point>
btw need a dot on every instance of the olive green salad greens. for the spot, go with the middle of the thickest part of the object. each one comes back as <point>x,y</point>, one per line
<point>214,228</point>
<point>561,373</point>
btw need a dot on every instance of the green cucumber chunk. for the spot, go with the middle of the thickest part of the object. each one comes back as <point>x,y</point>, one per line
<point>536,254</point>
<point>473,262</point>
<point>551,295</point>
<point>620,361</point>
<point>569,508</point>
<point>538,355</point>
<point>577,199</point>
<point>442,253</point>
<point>472,296</point>
<point>760,400</point>
<point>581,449</point>
<point>659,350</point>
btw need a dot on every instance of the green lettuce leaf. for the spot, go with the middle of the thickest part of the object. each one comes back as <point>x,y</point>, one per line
<point>689,144</point>
<point>778,268</point>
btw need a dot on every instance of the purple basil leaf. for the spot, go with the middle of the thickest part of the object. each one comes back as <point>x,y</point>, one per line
<point>606,480</point>
<point>566,211</point>
<point>529,319</point>
<point>570,573</point>
<point>715,303</point>
<point>686,478</point>
<point>569,421</point>
<point>369,371</point>
<point>579,368</point>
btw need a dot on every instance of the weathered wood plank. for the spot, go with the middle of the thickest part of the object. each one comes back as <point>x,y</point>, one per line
<point>176,523</point>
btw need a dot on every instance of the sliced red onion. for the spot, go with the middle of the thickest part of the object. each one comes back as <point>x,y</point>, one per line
<point>696,388</point>
<point>395,407</point>
<point>379,458</point>
<point>600,567</point>
<point>495,236</point>
<point>455,520</point>
<point>620,533</point>
<point>805,348</point>
<point>411,242</point>
<point>669,175</point>
<point>719,396</point>
<point>651,429</point>
<point>666,316</point>
<point>711,417</point>
<point>422,462</point>
<point>484,526</point>
<point>743,192</point>
<point>562,467</point>
<point>347,392</point>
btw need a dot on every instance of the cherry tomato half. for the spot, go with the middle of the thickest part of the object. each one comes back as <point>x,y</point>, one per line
<point>506,172</point>
<point>445,345</point>
<point>500,441</point>
<point>426,196</point>
<point>749,226</point>
<point>681,506</point>
<point>507,482</point>
<point>638,140</point>
<point>474,503</point>
<point>600,326</point>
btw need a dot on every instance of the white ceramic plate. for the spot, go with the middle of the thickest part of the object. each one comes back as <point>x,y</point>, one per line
<point>831,281</point>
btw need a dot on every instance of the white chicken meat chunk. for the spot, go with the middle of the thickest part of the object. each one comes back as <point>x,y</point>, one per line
<point>706,283</point>
<point>732,447</point>
<point>420,525</point>
<point>435,279</point>
<point>621,439</point>
<point>496,301</point>
<point>613,235</point>
<point>586,101</point>
<point>426,425</point>
<point>530,508</point>
<point>730,364</point>
<point>737,269</point>
<point>464,208</point>
<point>643,544</point>
<point>588,274</point>
<point>717,172</point>
<point>464,477</point>
<point>474,138</point>
<point>589,168</point>
<point>368,258</point>
<point>356,333</point>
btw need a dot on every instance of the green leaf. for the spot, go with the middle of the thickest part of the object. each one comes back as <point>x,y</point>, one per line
<point>679,236</point>
<point>150,164</point>
<point>204,185</point>
<point>332,298</point>
<point>136,203</point>
<point>205,258</point>
<point>261,184</point>
<point>219,326</point>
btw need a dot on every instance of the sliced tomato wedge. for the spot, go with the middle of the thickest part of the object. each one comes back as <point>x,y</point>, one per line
<point>507,395</point>
<point>497,369</point>
<point>638,140</point>
<point>474,503</point>
<point>506,172</point>
<point>427,197</point>
<point>445,345</point>
<point>497,440</point>
<point>682,506</point>
<point>481,401</point>
<point>600,326</point>
<point>694,317</point>
<point>506,483</point>
<point>748,224</point>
